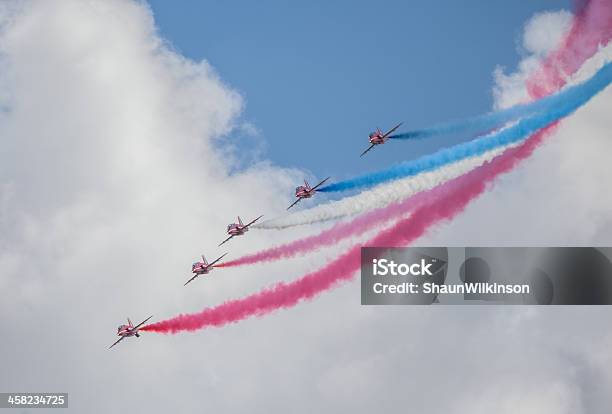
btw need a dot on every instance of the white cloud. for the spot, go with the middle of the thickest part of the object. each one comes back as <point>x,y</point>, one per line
<point>114,177</point>
<point>542,34</point>
<point>555,198</point>
<point>522,395</point>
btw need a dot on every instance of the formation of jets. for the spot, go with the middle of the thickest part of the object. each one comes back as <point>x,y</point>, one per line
<point>239,229</point>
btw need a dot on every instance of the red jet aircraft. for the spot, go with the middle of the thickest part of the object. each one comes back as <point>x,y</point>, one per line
<point>238,229</point>
<point>202,268</point>
<point>305,191</point>
<point>129,330</point>
<point>377,137</point>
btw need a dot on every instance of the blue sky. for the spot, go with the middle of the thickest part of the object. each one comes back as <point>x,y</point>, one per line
<point>318,76</point>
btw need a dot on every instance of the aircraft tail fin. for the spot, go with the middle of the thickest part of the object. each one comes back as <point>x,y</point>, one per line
<point>129,322</point>
<point>204,260</point>
<point>240,221</point>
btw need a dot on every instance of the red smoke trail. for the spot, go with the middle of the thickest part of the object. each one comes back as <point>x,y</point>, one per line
<point>591,27</point>
<point>326,237</point>
<point>474,183</point>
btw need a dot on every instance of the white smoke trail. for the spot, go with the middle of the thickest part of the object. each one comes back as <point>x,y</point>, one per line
<point>379,196</point>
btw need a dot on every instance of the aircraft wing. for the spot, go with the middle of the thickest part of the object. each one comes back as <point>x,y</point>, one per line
<point>254,221</point>
<point>320,184</point>
<point>143,322</point>
<point>191,280</point>
<point>116,342</point>
<point>365,152</point>
<point>294,203</point>
<point>392,130</point>
<point>226,240</point>
<point>210,264</point>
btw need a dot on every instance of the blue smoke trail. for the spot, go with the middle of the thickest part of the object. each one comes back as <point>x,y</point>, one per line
<point>490,121</point>
<point>574,98</point>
